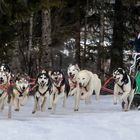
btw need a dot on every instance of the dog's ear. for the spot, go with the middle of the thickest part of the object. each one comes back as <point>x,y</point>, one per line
<point>26,76</point>
<point>50,72</point>
<point>17,77</point>
<point>77,67</point>
<point>70,65</point>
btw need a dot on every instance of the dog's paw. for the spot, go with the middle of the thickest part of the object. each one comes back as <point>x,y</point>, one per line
<point>33,112</point>
<point>76,109</point>
<point>17,109</point>
<point>49,108</point>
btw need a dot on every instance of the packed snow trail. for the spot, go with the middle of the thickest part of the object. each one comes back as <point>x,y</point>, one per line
<point>100,120</point>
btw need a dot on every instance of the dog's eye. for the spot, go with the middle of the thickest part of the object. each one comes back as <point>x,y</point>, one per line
<point>83,78</point>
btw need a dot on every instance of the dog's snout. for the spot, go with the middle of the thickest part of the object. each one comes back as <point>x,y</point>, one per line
<point>114,77</point>
<point>56,78</point>
<point>23,87</point>
<point>80,85</point>
<point>70,73</point>
<point>1,79</point>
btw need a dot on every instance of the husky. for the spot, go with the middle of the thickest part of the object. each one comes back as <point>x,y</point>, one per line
<point>124,85</point>
<point>5,68</point>
<point>87,83</point>
<point>72,72</point>
<point>20,91</point>
<point>60,88</point>
<point>3,88</point>
<point>43,89</point>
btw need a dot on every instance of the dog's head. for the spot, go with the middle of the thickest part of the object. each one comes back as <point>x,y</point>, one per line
<point>3,78</point>
<point>120,75</point>
<point>43,79</point>
<point>73,71</point>
<point>83,79</point>
<point>22,82</point>
<point>5,68</point>
<point>57,76</point>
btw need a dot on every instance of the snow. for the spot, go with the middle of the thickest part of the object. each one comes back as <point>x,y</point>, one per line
<point>100,120</point>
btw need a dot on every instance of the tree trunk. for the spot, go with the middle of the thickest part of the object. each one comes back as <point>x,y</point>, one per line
<point>117,44</point>
<point>30,43</point>
<point>100,61</point>
<point>46,38</point>
<point>77,36</point>
<point>85,32</point>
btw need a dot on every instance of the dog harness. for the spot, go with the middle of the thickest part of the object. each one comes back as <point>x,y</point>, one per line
<point>3,88</point>
<point>73,84</point>
<point>21,92</point>
<point>42,94</point>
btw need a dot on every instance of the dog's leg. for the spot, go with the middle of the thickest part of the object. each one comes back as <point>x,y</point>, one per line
<point>77,99</point>
<point>56,97</point>
<point>64,101</point>
<point>51,97</point>
<point>9,110</point>
<point>86,94</point>
<point>131,98</point>
<point>72,92</point>
<point>97,90</point>
<point>116,92</point>
<point>125,99</point>
<point>43,105</point>
<point>23,101</point>
<point>1,104</point>
<point>16,104</point>
<point>36,100</point>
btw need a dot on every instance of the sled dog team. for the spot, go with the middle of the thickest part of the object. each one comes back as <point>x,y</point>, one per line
<point>15,89</point>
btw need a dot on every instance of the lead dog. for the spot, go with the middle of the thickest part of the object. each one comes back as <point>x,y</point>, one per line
<point>20,91</point>
<point>60,88</point>
<point>124,85</point>
<point>43,89</point>
<point>72,72</point>
<point>3,88</point>
<point>87,83</point>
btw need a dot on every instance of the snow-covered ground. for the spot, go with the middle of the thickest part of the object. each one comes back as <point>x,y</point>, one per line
<point>100,120</point>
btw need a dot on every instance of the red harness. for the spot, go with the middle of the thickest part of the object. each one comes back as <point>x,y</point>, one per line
<point>73,84</point>
<point>4,87</point>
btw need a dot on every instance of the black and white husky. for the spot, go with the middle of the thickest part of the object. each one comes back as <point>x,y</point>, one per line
<point>60,88</point>
<point>3,88</point>
<point>20,92</point>
<point>5,68</point>
<point>43,89</point>
<point>125,85</point>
